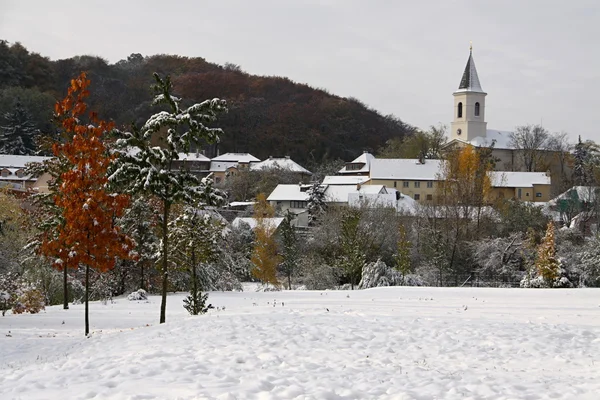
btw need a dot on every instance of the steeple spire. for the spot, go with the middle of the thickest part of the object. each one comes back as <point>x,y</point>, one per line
<point>470,79</point>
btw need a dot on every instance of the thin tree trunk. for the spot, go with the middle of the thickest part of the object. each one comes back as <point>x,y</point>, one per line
<point>87,291</point>
<point>142,285</point>
<point>289,281</point>
<point>65,289</point>
<point>165,263</point>
<point>194,284</point>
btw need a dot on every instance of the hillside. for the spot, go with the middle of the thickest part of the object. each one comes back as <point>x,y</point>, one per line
<point>268,115</point>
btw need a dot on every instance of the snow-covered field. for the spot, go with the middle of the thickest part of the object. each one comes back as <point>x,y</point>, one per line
<point>385,343</point>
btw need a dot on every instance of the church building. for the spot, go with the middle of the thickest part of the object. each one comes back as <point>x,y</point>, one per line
<point>469,127</point>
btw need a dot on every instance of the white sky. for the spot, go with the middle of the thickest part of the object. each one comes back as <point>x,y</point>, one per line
<point>538,60</point>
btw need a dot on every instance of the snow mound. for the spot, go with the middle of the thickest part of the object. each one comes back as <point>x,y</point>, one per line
<point>138,295</point>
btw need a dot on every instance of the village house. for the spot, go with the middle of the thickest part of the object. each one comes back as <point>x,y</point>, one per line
<point>12,173</point>
<point>229,164</point>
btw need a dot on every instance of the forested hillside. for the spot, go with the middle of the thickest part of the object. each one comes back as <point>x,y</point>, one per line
<point>267,115</point>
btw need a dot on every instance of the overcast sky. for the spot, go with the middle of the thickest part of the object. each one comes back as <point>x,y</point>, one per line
<point>538,60</point>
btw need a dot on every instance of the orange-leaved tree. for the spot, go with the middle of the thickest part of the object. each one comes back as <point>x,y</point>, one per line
<point>88,236</point>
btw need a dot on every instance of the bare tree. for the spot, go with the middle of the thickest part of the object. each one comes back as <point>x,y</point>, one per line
<point>530,140</point>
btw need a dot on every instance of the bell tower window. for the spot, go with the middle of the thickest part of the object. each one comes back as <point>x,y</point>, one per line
<point>459,113</point>
<point>477,109</point>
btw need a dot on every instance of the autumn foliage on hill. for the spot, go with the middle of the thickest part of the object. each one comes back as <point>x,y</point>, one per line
<point>268,116</point>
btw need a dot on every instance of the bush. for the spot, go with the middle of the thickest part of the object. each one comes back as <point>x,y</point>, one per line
<point>138,295</point>
<point>30,300</point>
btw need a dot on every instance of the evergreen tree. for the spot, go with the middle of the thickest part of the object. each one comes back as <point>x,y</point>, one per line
<point>290,252</point>
<point>580,156</point>
<point>352,257</point>
<point>546,263</point>
<point>195,235</point>
<point>316,203</point>
<point>145,168</point>
<point>139,223</point>
<point>17,134</point>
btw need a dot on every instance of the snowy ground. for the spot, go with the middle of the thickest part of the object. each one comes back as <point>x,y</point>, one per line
<point>386,343</point>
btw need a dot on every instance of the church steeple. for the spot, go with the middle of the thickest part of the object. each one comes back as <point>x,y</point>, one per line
<point>469,105</point>
<point>470,79</point>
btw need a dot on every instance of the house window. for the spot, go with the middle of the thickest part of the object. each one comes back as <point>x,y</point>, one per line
<point>395,184</point>
<point>519,193</point>
<point>538,194</point>
<point>477,109</point>
<point>417,184</point>
<point>4,173</point>
<point>417,196</point>
<point>217,180</point>
<point>429,197</point>
<point>429,184</point>
<point>527,194</point>
<point>298,204</point>
<point>405,184</point>
<point>459,114</point>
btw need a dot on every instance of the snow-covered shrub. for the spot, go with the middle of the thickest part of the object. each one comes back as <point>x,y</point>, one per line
<point>500,259</point>
<point>29,299</point>
<point>536,281</point>
<point>138,295</point>
<point>378,274</point>
<point>319,276</point>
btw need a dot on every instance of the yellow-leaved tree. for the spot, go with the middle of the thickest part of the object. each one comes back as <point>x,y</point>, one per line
<point>264,255</point>
<point>546,262</point>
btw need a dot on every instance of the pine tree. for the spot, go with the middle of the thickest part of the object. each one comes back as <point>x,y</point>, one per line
<point>143,167</point>
<point>196,235</point>
<point>580,156</point>
<point>88,208</point>
<point>264,256</point>
<point>290,252</point>
<point>17,134</point>
<point>402,256</point>
<point>352,257</point>
<point>546,263</point>
<point>316,203</point>
<point>139,223</point>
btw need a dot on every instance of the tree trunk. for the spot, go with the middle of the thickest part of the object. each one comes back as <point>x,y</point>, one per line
<point>87,291</point>
<point>194,284</point>
<point>142,285</point>
<point>165,262</point>
<point>289,281</point>
<point>65,289</point>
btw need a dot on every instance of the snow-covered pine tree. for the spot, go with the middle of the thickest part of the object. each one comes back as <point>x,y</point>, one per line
<point>316,203</point>
<point>195,235</point>
<point>580,157</point>
<point>547,264</point>
<point>352,257</point>
<point>290,254</point>
<point>145,168</point>
<point>17,133</point>
<point>139,223</point>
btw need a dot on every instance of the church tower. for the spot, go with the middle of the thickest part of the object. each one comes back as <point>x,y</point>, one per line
<point>469,106</point>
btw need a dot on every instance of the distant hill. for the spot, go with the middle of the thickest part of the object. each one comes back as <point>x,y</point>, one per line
<point>268,115</point>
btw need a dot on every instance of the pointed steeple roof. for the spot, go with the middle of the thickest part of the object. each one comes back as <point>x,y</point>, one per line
<point>470,80</point>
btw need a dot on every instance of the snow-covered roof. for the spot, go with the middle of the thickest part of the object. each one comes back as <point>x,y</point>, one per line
<point>271,223</point>
<point>288,192</point>
<point>407,169</point>
<point>584,193</point>
<point>340,193</point>
<point>344,180</point>
<point>281,163</point>
<point>519,179</point>
<point>236,157</point>
<point>13,161</point>
<point>470,80</point>
<point>404,204</point>
<point>12,175</point>
<point>501,139</point>
<point>241,203</point>
<point>193,157</point>
<point>221,166</point>
<point>365,158</point>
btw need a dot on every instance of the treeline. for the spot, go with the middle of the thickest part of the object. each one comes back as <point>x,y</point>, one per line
<point>267,115</point>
